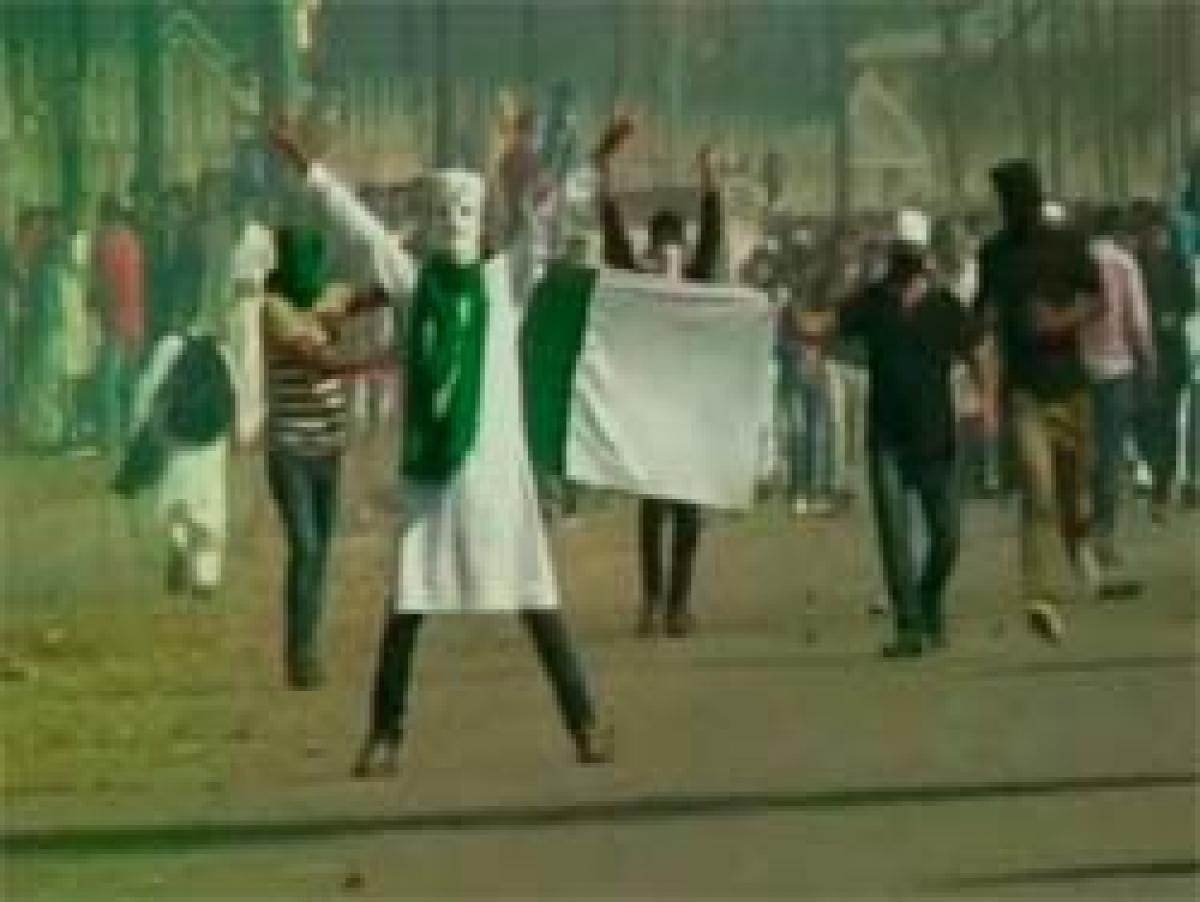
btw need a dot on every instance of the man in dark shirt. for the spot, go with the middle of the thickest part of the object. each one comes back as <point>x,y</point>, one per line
<point>1038,287</point>
<point>913,331</point>
<point>666,257</point>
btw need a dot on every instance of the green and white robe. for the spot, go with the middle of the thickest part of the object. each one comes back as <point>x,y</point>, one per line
<point>473,542</point>
<point>616,380</point>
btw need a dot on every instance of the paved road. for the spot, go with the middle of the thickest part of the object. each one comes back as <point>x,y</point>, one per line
<point>151,753</point>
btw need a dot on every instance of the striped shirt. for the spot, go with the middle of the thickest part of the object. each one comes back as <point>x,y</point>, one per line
<point>306,408</point>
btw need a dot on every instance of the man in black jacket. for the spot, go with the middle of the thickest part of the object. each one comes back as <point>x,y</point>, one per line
<point>1038,287</point>
<point>665,257</point>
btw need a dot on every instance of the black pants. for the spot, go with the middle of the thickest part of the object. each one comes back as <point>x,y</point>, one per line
<point>1158,432</point>
<point>685,522</point>
<point>305,490</point>
<point>916,598</point>
<point>555,651</point>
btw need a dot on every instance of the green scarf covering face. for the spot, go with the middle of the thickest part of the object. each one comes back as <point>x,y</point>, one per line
<point>303,265</point>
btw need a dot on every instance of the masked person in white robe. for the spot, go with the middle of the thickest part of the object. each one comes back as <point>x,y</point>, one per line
<point>183,415</point>
<point>471,538</point>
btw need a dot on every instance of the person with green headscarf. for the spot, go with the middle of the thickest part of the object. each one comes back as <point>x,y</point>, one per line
<point>306,436</point>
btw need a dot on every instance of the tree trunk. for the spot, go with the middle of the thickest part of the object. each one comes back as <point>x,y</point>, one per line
<point>151,80</point>
<point>443,88</point>
<point>839,86</point>
<point>1056,114</point>
<point>1187,47</point>
<point>71,77</point>
<point>529,45</point>
<point>15,44</point>
<point>1099,101</point>
<point>1022,62</point>
<point>281,57</point>
<point>951,53</point>
<point>1117,106</point>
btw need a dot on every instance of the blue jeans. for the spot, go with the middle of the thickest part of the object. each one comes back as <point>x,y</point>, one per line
<point>810,428</point>
<point>305,490</point>
<point>1112,418</point>
<point>917,597</point>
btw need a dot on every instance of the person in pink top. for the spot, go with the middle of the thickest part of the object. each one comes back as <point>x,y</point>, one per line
<point>118,294</point>
<point>1118,353</point>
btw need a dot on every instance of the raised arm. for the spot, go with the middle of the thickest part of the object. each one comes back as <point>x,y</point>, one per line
<point>618,252</point>
<point>708,245</point>
<point>395,269</point>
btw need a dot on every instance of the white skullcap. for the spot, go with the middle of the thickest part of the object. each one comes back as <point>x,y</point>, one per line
<point>912,227</point>
<point>1054,212</point>
<point>457,183</point>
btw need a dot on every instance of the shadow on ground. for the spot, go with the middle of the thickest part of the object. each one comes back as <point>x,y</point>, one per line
<point>173,837</point>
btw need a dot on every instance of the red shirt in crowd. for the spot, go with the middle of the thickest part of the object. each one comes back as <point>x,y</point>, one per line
<point>120,279</point>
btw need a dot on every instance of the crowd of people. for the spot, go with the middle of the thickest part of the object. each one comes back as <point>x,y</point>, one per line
<point>1052,352</point>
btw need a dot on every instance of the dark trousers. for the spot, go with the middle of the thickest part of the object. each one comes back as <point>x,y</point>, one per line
<point>1191,436</point>
<point>1158,432</point>
<point>916,597</point>
<point>305,490</point>
<point>555,651</point>
<point>685,523</point>
<point>1112,414</point>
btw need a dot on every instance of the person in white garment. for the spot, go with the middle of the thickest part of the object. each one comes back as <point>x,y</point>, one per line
<point>184,405</point>
<point>471,538</point>
<point>253,260</point>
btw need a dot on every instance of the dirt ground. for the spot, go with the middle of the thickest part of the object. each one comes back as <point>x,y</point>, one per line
<point>151,752</point>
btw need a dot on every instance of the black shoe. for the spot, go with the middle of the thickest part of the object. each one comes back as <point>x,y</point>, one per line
<point>1189,497</point>
<point>1119,589</point>
<point>378,757</point>
<point>594,744</point>
<point>647,624</point>
<point>305,673</point>
<point>904,647</point>
<point>177,574</point>
<point>680,624</point>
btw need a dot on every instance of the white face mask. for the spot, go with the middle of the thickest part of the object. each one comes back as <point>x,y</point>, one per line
<point>457,227</point>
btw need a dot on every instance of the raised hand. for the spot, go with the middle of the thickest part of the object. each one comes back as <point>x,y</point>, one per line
<point>614,136</point>
<point>706,163</point>
<point>286,140</point>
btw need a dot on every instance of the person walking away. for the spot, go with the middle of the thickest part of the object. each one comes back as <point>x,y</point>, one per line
<point>181,421</point>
